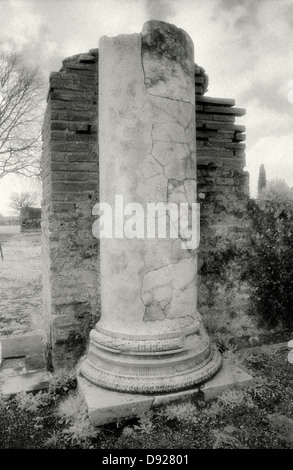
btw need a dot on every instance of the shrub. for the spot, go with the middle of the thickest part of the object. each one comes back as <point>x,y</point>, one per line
<point>237,401</point>
<point>268,262</point>
<point>63,381</point>
<point>266,395</point>
<point>183,413</point>
<point>235,398</point>
<point>73,412</point>
<point>30,402</point>
<point>145,422</point>
<point>261,258</point>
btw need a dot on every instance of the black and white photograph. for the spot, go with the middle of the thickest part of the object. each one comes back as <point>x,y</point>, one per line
<point>146,227</point>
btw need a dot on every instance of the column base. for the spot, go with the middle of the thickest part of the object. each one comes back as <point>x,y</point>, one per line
<point>150,364</point>
<point>107,406</point>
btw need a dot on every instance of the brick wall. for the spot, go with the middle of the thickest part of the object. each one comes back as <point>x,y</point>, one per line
<point>70,190</point>
<point>223,193</point>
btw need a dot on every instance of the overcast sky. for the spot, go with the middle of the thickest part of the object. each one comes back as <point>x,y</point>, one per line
<point>245,46</point>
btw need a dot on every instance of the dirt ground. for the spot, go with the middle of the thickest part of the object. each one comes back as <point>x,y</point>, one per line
<point>20,282</point>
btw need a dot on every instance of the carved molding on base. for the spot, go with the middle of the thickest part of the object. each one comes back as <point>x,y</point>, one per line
<point>150,367</point>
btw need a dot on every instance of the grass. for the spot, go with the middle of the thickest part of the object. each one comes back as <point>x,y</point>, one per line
<point>254,418</point>
<point>7,231</point>
<point>21,282</point>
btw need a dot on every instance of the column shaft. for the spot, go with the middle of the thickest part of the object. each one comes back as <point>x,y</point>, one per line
<point>150,337</point>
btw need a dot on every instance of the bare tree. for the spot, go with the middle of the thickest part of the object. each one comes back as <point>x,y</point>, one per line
<point>23,199</point>
<point>21,112</point>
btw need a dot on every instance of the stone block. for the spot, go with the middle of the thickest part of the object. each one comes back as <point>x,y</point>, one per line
<point>18,346</point>
<point>239,137</point>
<point>225,110</point>
<point>236,145</point>
<point>71,115</point>
<point>69,146</point>
<point>58,125</point>
<point>58,135</point>
<point>81,137</point>
<point>35,362</point>
<point>217,153</point>
<point>218,101</point>
<point>80,67</point>
<point>225,126</point>
<point>217,162</point>
<point>106,406</point>
<point>225,181</point>
<point>229,377</point>
<point>32,381</point>
<point>223,118</point>
<point>67,95</point>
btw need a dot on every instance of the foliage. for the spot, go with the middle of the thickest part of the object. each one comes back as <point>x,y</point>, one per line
<point>225,343</point>
<point>232,401</point>
<point>70,406</point>
<point>53,440</point>
<point>145,422</point>
<point>255,264</point>
<point>265,395</point>
<point>21,112</point>
<point>268,261</point>
<point>276,191</point>
<point>183,412</point>
<point>2,402</point>
<point>63,381</point>
<point>223,293</point>
<point>73,412</point>
<point>270,384</point>
<point>30,402</point>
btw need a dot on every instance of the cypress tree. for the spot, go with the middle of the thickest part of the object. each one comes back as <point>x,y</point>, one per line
<point>262,180</point>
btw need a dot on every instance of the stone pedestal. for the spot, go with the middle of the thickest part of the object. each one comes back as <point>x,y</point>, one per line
<point>150,337</point>
<point>107,406</point>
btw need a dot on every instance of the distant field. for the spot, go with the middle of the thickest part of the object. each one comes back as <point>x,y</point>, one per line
<point>20,282</point>
<point>7,231</point>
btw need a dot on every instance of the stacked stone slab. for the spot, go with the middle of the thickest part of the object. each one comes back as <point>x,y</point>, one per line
<point>219,139</point>
<point>70,190</point>
<point>223,185</point>
<point>30,219</point>
<point>201,81</point>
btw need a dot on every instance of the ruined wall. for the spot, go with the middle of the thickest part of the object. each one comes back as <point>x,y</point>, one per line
<point>70,190</point>
<point>223,192</point>
<point>30,219</point>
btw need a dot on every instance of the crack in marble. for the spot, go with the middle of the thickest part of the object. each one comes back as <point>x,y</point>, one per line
<point>146,86</point>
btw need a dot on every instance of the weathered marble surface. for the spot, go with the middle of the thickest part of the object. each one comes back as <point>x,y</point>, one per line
<point>150,336</point>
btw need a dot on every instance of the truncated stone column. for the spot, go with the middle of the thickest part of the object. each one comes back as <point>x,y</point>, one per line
<point>150,337</point>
